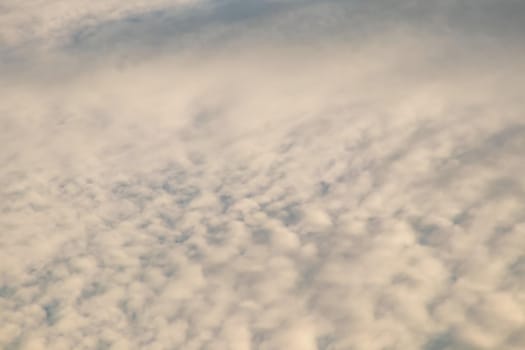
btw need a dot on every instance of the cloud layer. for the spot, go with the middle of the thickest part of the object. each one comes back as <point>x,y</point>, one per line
<point>265,175</point>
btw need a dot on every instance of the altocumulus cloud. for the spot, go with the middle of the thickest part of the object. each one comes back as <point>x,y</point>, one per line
<point>262,175</point>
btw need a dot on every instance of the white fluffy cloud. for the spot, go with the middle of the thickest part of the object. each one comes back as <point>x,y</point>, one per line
<point>266,185</point>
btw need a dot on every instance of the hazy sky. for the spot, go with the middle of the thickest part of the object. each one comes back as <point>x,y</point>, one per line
<point>262,174</point>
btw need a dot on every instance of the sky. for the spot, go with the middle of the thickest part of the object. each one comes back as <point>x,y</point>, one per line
<point>262,175</point>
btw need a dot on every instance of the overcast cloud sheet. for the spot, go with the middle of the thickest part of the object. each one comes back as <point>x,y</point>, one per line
<point>269,175</point>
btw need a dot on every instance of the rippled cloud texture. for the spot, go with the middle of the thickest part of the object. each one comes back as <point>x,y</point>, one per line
<point>262,175</point>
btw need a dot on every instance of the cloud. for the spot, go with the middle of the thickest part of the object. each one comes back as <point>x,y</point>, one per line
<point>256,182</point>
<point>27,21</point>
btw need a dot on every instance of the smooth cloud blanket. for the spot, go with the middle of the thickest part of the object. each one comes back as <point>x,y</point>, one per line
<point>262,175</point>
